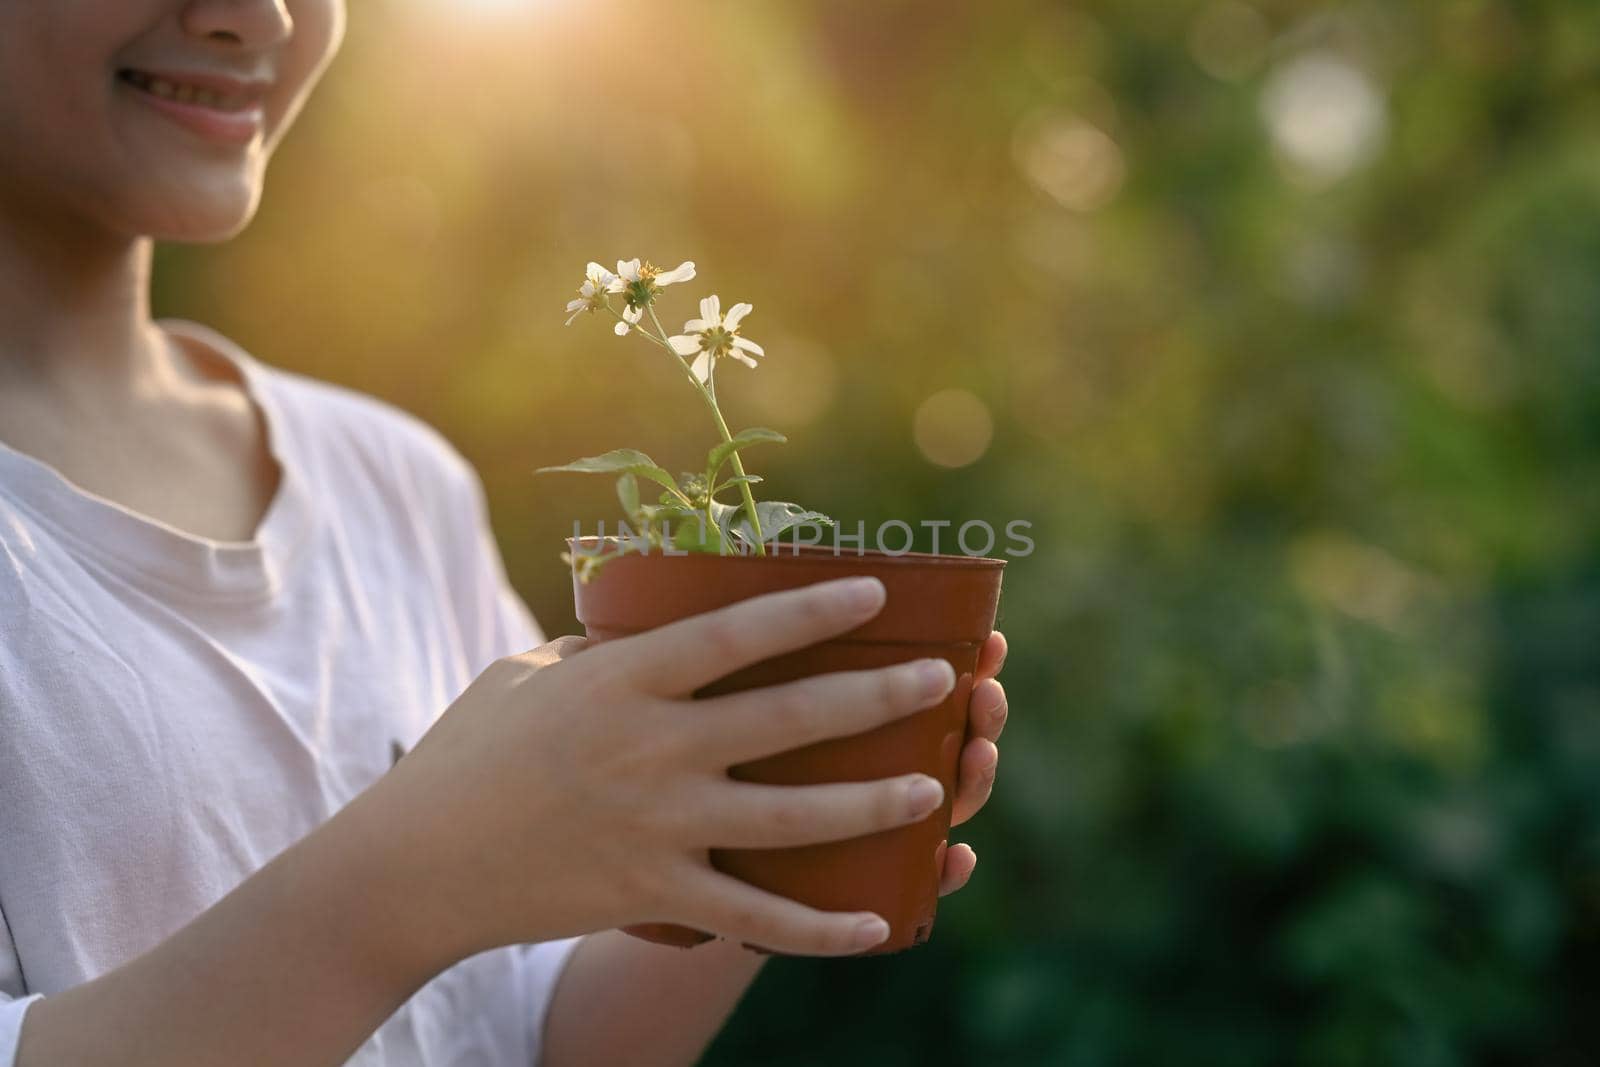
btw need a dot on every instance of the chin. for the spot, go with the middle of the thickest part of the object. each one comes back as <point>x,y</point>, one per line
<point>195,219</point>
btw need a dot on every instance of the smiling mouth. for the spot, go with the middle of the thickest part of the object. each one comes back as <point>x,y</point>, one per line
<point>185,94</point>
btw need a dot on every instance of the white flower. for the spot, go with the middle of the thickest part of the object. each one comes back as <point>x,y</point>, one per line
<point>630,319</point>
<point>641,283</point>
<point>597,282</point>
<point>714,336</point>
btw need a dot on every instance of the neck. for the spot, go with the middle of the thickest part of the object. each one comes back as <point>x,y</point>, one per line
<point>74,306</point>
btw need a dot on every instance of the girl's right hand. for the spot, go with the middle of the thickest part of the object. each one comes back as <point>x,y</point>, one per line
<point>574,788</point>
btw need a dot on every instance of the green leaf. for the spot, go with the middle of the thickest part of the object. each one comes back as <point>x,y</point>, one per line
<point>584,565</point>
<point>725,516</point>
<point>622,459</point>
<point>775,516</point>
<point>743,479</point>
<point>694,534</point>
<point>744,438</point>
<point>628,494</point>
<point>778,516</point>
<point>673,512</point>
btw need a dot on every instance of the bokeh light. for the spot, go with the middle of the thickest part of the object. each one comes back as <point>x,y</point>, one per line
<point>1326,117</point>
<point>953,428</point>
<point>1077,164</point>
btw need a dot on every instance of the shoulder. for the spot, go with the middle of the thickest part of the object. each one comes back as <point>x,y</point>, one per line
<point>336,419</point>
<point>339,431</point>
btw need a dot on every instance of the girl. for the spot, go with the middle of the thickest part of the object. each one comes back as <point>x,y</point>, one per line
<point>231,598</point>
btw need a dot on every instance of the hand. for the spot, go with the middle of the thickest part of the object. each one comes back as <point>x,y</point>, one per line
<point>576,788</point>
<point>986,717</point>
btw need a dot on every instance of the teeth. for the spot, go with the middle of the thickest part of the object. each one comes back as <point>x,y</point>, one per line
<point>185,94</point>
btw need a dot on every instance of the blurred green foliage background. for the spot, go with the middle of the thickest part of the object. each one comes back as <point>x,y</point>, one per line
<point>1281,324</point>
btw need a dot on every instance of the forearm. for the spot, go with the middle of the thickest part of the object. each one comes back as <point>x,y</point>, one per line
<point>297,965</point>
<point>623,1000</point>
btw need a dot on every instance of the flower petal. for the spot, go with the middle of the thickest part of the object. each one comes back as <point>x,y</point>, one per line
<point>683,272</point>
<point>701,366</point>
<point>748,345</point>
<point>736,315</point>
<point>684,345</point>
<point>697,326</point>
<point>577,305</point>
<point>742,358</point>
<point>628,271</point>
<point>621,329</point>
<point>574,315</point>
<point>633,315</point>
<point>711,309</point>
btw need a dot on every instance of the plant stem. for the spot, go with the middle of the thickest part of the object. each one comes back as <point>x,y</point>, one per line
<point>722,427</point>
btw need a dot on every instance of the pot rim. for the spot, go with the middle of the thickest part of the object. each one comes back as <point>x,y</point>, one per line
<point>812,554</point>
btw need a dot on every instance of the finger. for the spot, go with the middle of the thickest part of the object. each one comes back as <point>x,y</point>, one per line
<point>567,645</point>
<point>959,863</point>
<point>552,651</point>
<point>980,761</point>
<point>987,710</point>
<point>754,815</point>
<point>737,910</point>
<point>747,725</point>
<point>992,656</point>
<point>677,658</point>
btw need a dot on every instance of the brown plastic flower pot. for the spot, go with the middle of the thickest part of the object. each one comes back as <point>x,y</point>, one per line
<point>938,605</point>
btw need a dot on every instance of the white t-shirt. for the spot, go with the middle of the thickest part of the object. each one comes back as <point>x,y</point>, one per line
<point>175,711</point>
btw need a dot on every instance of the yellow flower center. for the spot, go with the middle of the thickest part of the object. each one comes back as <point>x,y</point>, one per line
<point>718,340</point>
<point>643,292</point>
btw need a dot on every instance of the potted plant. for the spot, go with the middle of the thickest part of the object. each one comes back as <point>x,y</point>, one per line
<point>689,552</point>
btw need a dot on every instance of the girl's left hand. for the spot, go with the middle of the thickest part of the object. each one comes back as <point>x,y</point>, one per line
<point>986,715</point>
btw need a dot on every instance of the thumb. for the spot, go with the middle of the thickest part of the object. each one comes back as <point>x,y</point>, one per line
<point>565,645</point>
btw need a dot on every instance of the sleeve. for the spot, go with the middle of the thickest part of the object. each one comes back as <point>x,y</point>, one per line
<point>11,1012</point>
<point>497,622</point>
<point>542,965</point>
<point>13,1005</point>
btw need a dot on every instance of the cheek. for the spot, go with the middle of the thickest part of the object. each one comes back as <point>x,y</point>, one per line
<point>319,30</point>
<point>54,96</point>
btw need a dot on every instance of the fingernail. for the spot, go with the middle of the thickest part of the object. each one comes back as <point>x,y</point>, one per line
<point>872,932</point>
<point>935,677</point>
<point>861,594</point>
<point>923,796</point>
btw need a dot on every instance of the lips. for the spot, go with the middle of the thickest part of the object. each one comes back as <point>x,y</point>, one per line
<point>217,107</point>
